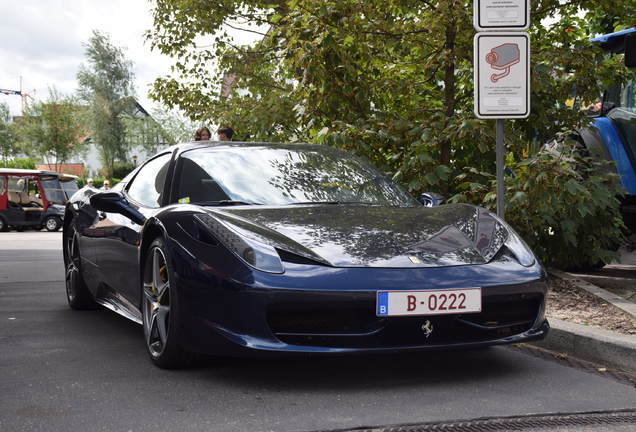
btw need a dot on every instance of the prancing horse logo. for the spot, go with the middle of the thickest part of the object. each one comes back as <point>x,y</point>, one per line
<point>428,328</point>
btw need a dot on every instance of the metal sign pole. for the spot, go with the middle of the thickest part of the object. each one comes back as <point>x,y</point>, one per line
<point>500,168</point>
<point>499,92</point>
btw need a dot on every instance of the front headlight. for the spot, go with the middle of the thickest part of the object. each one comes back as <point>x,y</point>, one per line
<point>516,245</point>
<point>255,253</point>
<point>521,250</point>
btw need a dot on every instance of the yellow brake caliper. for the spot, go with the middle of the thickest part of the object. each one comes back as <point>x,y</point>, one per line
<point>164,276</point>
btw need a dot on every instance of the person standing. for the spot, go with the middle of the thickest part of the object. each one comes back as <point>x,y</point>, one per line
<point>106,185</point>
<point>89,183</point>
<point>225,133</point>
<point>202,134</point>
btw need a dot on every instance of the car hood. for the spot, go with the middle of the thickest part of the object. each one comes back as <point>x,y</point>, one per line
<point>349,235</point>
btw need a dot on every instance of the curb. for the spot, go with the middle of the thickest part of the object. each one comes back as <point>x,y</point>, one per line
<point>598,346</point>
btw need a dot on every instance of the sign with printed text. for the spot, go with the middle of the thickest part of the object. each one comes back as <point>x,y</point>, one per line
<point>492,15</point>
<point>502,75</point>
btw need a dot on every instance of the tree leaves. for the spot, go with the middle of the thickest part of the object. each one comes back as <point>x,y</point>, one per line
<point>106,85</point>
<point>392,81</point>
<point>52,130</point>
<point>7,134</point>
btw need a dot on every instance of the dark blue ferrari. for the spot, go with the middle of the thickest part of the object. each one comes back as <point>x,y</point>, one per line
<point>247,249</point>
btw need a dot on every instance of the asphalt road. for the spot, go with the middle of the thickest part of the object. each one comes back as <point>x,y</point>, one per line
<point>63,370</point>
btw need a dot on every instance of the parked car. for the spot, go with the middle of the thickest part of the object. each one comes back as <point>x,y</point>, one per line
<point>252,249</point>
<point>33,198</point>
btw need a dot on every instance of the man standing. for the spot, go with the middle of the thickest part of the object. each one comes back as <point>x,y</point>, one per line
<point>106,185</point>
<point>225,133</point>
<point>89,183</point>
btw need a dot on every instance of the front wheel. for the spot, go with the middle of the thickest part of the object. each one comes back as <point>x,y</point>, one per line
<point>3,225</point>
<point>160,311</point>
<point>77,293</point>
<point>52,223</point>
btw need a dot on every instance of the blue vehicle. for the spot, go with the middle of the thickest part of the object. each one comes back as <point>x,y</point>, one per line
<point>613,133</point>
<point>254,249</point>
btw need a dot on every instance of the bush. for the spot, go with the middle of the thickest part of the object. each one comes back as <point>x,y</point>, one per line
<point>566,207</point>
<point>121,170</point>
<point>18,163</point>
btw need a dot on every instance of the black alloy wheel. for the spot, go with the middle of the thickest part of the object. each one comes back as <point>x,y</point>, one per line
<point>160,311</point>
<point>77,293</point>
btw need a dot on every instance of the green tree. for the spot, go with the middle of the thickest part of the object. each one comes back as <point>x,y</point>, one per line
<point>52,130</point>
<point>250,92</point>
<point>161,128</point>
<point>106,84</point>
<point>7,138</point>
<point>390,80</point>
<point>175,127</point>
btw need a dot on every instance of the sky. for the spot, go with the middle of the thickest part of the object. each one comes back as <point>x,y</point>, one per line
<point>41,41</point>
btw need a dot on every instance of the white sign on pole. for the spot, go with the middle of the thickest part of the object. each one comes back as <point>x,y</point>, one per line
<point>491,15</point>
<point>502,75</point>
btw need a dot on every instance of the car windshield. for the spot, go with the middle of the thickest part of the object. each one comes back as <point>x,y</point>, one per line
<point>70,187</point>
<point>53,190</point>
<point>283,174</point>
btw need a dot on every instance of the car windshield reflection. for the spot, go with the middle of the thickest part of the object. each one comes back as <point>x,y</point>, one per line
<point>293,174</point>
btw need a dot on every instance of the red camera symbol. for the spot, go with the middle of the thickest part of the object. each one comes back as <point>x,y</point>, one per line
<point>502,58</point>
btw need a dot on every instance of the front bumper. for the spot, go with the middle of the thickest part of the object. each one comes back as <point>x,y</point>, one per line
<point>320,310</point>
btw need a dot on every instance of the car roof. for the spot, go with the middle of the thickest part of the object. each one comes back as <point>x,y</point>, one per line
<point>183,147</point>
<point>613,42</point>
<point>28,172</point>
<point>68,177</point>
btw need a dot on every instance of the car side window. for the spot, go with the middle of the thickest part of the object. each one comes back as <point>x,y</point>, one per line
<point>147,186</point>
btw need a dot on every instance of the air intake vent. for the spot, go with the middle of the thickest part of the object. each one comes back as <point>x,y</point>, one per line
<point>296,259</point>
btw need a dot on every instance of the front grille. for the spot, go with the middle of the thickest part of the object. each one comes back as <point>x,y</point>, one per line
<point>361,328</point>
<point>344,322</point>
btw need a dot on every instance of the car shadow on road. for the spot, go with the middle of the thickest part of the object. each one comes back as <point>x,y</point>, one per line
<point>364,371</point>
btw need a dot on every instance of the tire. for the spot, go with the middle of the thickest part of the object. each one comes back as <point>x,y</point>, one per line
<point>3,225</point>
<point>52,223</point>
<point>160,310</point>
<point>77,293</point>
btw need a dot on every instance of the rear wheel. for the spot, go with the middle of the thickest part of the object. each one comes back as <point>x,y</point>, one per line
<point>77,294</point>
<point>160,311</point>
<point>52,223</point>
<point>3,225</point>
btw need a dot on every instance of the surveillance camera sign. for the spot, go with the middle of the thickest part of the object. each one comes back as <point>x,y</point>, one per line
<point>502,75</point>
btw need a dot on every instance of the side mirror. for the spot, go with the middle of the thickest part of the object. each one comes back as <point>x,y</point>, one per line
<point>114,202</point>
<point>630,50</point>
<point>431,199</point>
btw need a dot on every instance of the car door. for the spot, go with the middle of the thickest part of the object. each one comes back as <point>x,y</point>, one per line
<point>117,248</point>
